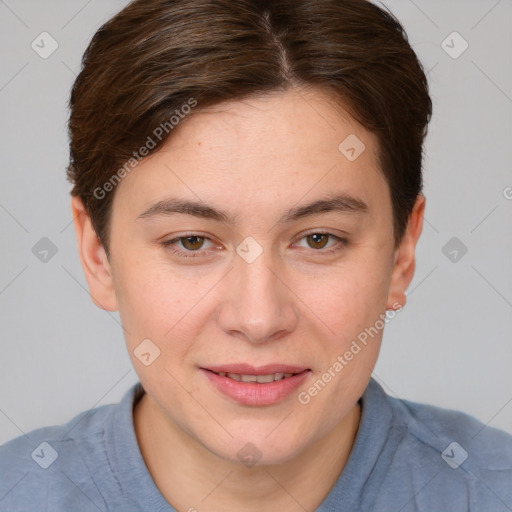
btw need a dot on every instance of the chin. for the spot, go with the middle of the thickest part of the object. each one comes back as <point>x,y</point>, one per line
<point>260,449</point>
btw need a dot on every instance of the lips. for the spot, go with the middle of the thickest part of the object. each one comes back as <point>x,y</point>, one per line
<point>247,369</point>
<point>260,379</point>
<point>262,385</point>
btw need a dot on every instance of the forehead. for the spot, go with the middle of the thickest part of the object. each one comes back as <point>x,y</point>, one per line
<point>272,149</point>
<point>301,123</point>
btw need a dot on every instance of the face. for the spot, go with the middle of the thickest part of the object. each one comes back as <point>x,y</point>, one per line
<point>255,281</point>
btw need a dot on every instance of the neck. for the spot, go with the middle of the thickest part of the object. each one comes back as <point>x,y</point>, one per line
<point>190,477</point>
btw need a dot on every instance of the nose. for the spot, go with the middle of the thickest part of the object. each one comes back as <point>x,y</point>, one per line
<point>259,305</point>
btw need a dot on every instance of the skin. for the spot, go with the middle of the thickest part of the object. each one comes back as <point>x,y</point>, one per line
<point>294,304</point>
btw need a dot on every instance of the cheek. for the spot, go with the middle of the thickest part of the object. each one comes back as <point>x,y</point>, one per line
<point>351,297</point>
<point>158,303</point>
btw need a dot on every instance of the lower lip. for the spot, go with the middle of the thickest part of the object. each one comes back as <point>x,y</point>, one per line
<point>254,393</point>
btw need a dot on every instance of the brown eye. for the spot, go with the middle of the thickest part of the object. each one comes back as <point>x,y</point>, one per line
<point>322,243</point>
<point>192,243</point>
<point>319,240</point>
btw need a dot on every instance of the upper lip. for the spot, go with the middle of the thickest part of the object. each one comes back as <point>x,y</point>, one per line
<point>247,369</point>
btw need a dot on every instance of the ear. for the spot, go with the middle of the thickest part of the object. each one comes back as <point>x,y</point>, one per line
<point>94,260</point>
<point>403,269</point>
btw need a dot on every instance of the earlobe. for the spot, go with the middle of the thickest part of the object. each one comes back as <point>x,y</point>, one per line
<point>405,263</point>
<point>94,260</point>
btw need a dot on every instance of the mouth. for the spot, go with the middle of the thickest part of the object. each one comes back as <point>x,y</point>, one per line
<point>261,379</point>
<point>248,385</point>
<point>261,374</point>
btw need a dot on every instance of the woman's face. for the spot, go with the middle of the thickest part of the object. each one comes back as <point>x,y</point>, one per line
<point>264,289</point>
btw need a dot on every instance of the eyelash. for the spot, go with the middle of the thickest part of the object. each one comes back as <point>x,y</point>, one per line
<point>169,244</point>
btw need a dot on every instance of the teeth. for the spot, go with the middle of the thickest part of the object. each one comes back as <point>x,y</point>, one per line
<point>262,379</point>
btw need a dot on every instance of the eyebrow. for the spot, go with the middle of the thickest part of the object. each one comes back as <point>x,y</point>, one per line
<point>343,203</point>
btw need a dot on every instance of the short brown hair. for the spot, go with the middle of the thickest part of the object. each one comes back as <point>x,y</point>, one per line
<point>153,57</point>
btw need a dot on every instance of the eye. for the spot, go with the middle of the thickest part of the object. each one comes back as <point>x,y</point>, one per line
<point>191,243</point>
<point>317,241</point>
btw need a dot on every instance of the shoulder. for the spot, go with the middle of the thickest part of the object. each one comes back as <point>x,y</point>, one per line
<point>486,447</point>
<point>455,458</point>
<point>56,459</point>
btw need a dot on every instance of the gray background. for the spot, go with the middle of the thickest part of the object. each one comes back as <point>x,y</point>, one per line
<point>450,346</point>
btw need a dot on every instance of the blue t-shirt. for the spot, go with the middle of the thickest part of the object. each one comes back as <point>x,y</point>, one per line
<point>407,457</point>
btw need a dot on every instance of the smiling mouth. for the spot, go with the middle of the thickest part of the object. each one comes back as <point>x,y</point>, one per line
<point>256,385</point>
<point>261,379</point>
